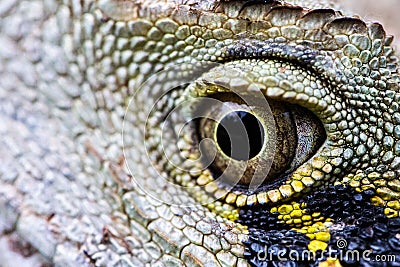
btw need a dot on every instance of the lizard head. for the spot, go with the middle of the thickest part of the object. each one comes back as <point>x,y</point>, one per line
<point>274,123</point>
<point>197,133</point>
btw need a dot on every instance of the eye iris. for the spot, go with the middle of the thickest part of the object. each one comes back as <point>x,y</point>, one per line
<point>253,143</point>
<point>240,135</point>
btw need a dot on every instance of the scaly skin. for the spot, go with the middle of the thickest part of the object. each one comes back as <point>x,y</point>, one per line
<point>74,191</point>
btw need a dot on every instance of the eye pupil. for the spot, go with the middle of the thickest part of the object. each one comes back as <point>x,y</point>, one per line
<point>240,135</point>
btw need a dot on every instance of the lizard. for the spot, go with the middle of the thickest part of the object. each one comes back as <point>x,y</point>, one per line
<point>87,85</point>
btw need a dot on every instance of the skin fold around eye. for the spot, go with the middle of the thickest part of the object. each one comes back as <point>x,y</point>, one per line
<point>262,89</point>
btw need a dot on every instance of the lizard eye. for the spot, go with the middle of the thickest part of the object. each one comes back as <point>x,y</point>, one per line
<point>250,143</point>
